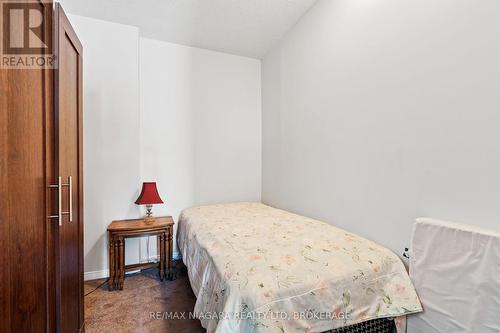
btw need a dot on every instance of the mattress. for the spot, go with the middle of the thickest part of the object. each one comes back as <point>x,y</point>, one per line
<point>254,268</point>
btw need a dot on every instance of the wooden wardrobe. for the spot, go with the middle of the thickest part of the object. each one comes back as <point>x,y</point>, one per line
<point>41,184</point>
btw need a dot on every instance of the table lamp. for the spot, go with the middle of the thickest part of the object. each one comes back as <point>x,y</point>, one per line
<point>149,196</point>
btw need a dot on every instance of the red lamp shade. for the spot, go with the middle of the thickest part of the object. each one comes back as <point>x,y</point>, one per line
<point>149,195</point>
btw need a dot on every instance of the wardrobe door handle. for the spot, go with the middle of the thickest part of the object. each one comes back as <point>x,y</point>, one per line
<point>70,198</point>
<point>59,199</point>
<point>58,186</point>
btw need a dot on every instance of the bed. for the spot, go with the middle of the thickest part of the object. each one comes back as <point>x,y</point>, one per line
<point>254,268</point>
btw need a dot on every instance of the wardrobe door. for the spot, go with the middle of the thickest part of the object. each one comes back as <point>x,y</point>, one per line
<point>68,102</point>
<point>27,297</point>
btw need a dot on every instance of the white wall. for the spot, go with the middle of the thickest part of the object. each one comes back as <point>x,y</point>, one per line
<point>166,128</point>
<point>187,118</point>
<point>226,97</point>
<point>111,133</point>
<point>200,125</point>
<point>376,112</point>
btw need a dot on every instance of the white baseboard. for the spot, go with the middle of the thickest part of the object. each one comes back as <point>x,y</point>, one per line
<point>94,275</point>
<point>150,259</point>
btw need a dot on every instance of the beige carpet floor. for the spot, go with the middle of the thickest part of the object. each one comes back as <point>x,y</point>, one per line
<point>141,305</point>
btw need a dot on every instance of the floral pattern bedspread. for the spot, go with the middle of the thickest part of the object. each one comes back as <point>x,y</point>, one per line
<point>255,268</point>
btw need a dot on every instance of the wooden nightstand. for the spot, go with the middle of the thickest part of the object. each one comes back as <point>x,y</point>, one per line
<point>119,230</point>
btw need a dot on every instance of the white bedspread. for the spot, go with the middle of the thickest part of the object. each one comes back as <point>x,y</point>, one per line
<point>254,268</point>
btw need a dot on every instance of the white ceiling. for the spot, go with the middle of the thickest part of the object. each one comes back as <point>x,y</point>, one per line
<point>244,27</point>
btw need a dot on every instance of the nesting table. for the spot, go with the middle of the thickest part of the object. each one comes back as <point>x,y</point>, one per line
<point>118,231</point>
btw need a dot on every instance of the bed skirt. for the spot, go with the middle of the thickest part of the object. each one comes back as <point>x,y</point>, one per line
<point>380,325</point>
